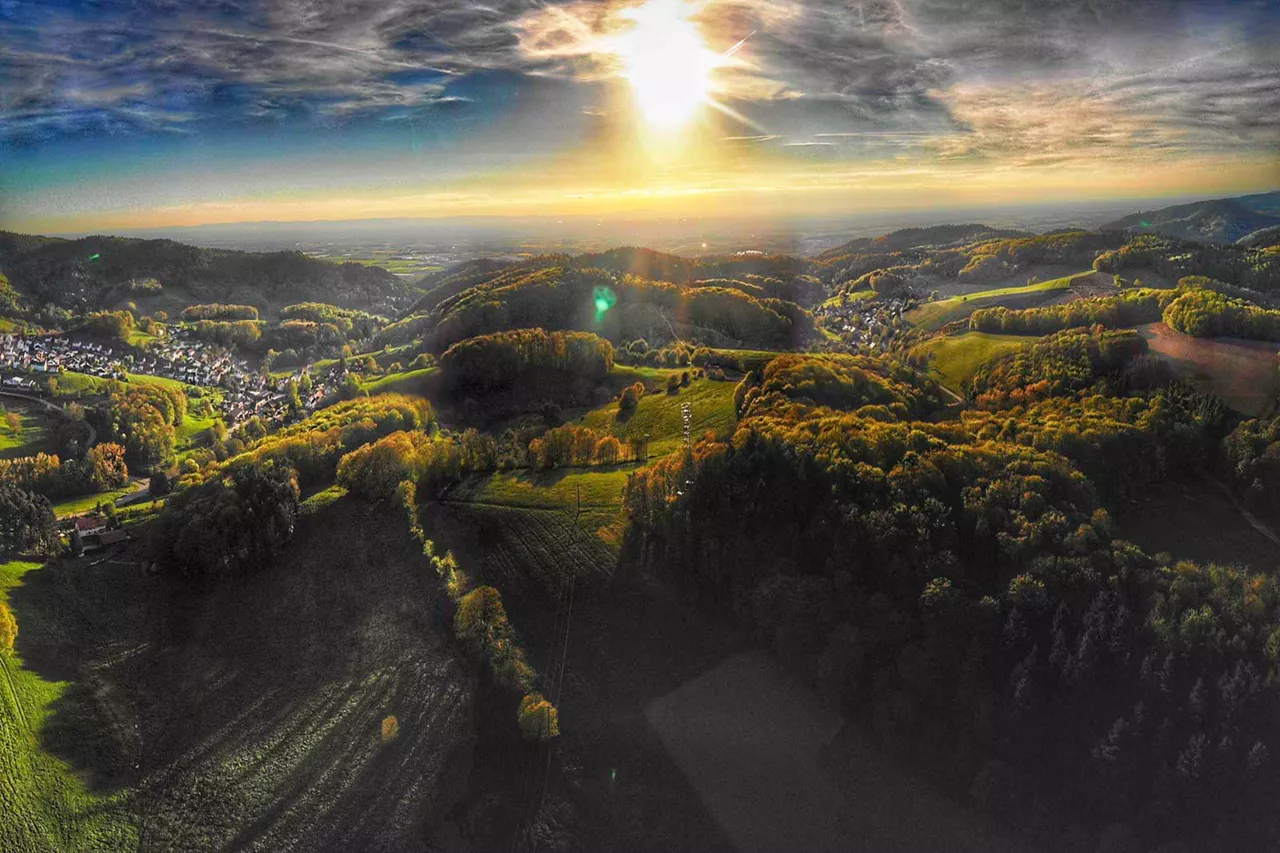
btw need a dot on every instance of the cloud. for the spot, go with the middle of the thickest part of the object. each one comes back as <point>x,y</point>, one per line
<point>1009,82</point>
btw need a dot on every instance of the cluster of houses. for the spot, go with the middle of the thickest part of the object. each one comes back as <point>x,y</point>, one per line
<point>53,354</point>
<point>866,321</point>
<point>246,392</point>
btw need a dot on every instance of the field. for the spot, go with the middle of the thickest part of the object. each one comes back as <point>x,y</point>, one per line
<point>404,382</point>
<point>935,315</point>
<point>164,381</point>
<point>139,338</point>
<point>33,434</point>
<point>955,358</point>
<point>44,805</point>
<point>400,266</point>
<point>780,771</point>
<point>845,299</point>
<point>1197,523</point>
<point>1243,373</point>
<point>658,415</point>
<point>191,431</point>
<point>85,503</point>
<point>71,384</point>
<point>520,526</point>
<point>243,716</point>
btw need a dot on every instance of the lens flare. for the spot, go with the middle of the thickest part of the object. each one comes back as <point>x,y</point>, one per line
<point>604,299</point>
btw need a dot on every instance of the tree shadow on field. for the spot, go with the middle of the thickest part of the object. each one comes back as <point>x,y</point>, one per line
<point>248,712</point>
<point>77,624</point>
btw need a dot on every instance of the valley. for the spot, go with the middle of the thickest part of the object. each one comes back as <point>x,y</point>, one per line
<point>631,550</point>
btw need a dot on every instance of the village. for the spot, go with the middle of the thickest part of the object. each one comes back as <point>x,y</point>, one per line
<point>26,361</point>
<point>865,322</point>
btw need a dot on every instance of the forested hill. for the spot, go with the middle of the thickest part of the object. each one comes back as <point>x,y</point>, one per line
<point>1217,221</point>
<point>92,272</point>
<point>914,238</point>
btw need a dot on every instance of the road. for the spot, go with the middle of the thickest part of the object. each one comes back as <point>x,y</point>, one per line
<point>93,433</point>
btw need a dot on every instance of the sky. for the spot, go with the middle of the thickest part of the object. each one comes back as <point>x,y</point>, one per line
<point>120,114</point>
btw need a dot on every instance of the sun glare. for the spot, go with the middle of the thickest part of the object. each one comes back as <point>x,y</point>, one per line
<point>666,62</point>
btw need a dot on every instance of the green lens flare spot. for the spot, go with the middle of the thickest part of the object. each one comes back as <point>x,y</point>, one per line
<point>604,300</point>
<point>94,256</point>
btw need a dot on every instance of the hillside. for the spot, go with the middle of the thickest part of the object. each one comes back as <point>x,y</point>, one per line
<point>95,272</point>
<point>244,717</point>
<point>938,236</point>
<point>1217,221</point>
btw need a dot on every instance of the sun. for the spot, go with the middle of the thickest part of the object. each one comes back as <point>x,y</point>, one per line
<point>666,62</point>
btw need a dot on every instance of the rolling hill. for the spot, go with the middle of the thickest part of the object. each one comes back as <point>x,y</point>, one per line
<point>94,272</point>
<point>1217,221</point>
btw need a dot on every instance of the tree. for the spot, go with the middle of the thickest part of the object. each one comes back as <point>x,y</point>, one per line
<point>107,469</point>
<point>27,522</point>
<point>231,525</point>
<point>77,542</point>
<point>8,628</point>
<point>630,397</point>
<point>539,719</point>
<point>160,484</point>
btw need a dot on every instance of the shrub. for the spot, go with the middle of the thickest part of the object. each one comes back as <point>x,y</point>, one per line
<point>539,719</point>
<point>673,383</point>
<point>9,629</point>
<point>628,401</point>
<point>160,485</point>
<point>390,729</point>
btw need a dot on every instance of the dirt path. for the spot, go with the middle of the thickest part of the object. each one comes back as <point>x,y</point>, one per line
<point>1256,523</point>
<point>757,746</point>
<point>13,696</point>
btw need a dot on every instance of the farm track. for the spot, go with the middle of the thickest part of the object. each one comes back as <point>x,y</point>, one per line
<point>1254,522</point>
<point>12,694</point>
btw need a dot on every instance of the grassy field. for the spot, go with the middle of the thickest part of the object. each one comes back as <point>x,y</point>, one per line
<point>143,379</point>
<point>139,338</point>
<point>658,415</point>
<point>242,716</point>
<point>854,296</point>
<point>934,315</point>
<point>399,266</point>
<point>955,358</point>
<point>33,434</point>
<point>71,384</point>
<point>44,805</point>
<point>1243,373</point>
<point>1196,522</point>
<point>517,527</point>
<point>85,503</point>
<point>404,382</point>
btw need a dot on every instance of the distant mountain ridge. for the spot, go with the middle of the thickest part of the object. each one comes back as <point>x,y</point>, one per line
<point>91,272</point>
<point>933,236</point>
<point>1223,220</point>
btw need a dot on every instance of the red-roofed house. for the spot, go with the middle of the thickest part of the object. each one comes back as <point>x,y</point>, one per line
<point>90,524</point>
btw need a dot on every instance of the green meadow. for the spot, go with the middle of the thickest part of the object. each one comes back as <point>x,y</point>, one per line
<point>955,358</point>
<point>935,315</point>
